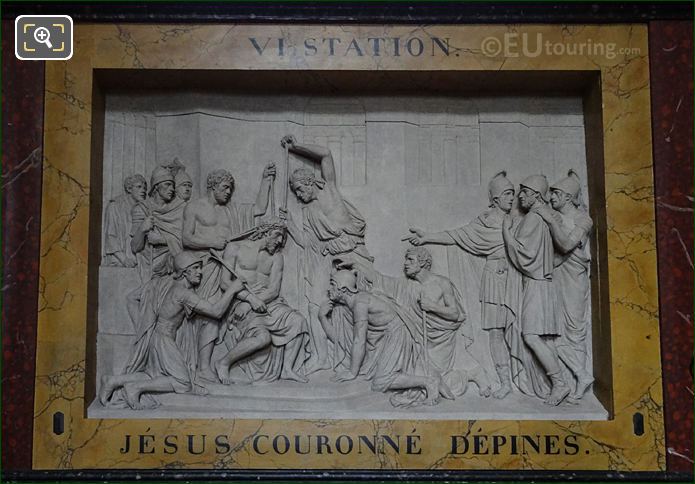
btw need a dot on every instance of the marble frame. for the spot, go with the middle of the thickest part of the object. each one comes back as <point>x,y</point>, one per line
<point>72,100</point>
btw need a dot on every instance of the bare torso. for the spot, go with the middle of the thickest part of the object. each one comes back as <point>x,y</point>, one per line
<point>379,313</point>
<point>206,222</point>
<point>253,265</point>
<point>173,309</point>
<point>434,289</point>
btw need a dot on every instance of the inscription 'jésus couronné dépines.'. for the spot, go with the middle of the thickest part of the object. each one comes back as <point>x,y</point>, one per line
<point>411,46</point>
<point>345,444</point>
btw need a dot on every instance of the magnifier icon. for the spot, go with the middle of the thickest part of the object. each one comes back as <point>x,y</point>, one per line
<point>43,36</point>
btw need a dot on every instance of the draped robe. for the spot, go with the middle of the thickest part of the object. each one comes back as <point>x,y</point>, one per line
<point>156,260</point>
<point>572,293</point>
<point>444,338</point>
<point>483,237</point>
<point>117,231</point>
<point>205,330</point>
<point>285,325</point>
<point>155,351</point>
<point>324,241</point>
<point>530,296</point>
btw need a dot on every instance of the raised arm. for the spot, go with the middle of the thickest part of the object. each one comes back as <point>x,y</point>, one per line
<point>317,154</point>
<point>564,241</point>
<point>420,237</point>
<point>261,205</point>
<point>294,231</point>
<point>359,340</point>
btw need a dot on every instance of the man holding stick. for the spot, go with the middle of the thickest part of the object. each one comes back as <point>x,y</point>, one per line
<point>332,227</point>
<point>210,223</point>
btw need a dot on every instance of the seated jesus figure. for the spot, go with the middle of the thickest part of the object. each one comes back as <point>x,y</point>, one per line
<point>267,338</point>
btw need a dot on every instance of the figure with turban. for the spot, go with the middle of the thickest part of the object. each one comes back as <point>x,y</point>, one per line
<point>184,185</point>
<point>157,226</point>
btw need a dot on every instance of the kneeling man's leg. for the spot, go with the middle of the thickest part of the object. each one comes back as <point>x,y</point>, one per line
<point>256,340</point>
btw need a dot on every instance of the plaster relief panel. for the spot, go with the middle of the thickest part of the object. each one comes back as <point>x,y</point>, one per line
<point>345,257</point>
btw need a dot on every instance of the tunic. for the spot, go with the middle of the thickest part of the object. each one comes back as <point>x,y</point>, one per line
<point>530,298</point>
<point>155,260</point>
<point>483,237</point>
<point>155,351</point>
<point>572,293</point>
<point>325,240</point>
<point>117,232</point>
<point>531,252</point>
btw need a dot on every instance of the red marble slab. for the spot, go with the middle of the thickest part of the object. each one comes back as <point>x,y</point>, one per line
<point>22,141</point>
<point>671,65</point>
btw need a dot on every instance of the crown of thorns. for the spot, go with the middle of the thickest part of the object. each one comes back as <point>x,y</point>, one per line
<point>269,225</point>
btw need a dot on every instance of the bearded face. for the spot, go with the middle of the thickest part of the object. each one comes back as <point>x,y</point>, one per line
<point>166,191</point>
<point>194,273</point>
<point>334,294</point>
<point>274,241</point>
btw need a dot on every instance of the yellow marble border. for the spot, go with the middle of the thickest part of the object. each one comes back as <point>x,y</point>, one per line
<point>602,445</point>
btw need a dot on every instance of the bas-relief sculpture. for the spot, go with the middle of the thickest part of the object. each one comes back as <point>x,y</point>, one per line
<point>211,316</point>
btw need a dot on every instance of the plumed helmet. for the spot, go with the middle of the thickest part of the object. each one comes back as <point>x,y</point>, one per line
<point>183,260</point>
<point>174,166</point>
<point>182,177</point>
<point>159,175</point>
<point>345,279</point>
<point>498,184</point>
<point>570,185</point>
<point>537,183</point>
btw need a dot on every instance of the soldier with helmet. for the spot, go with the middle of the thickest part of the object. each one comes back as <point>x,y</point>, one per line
<point>157,364</point>
<point>184,185</point>
<point>570,226</point>
<point>483,237</point>
<point>157,226</point>
<point>530,249</point>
